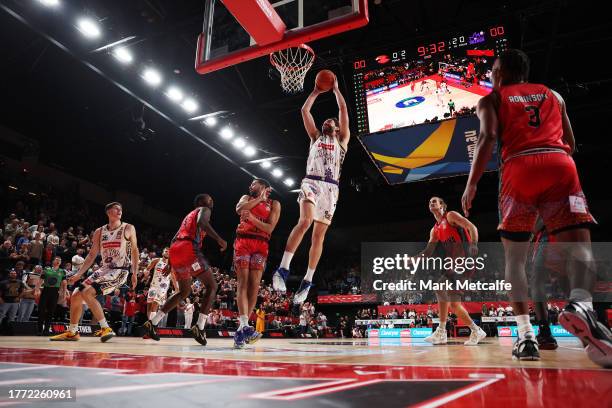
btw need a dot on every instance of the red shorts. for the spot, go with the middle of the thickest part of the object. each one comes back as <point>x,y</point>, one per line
<point>186,260</point>
<point>546,184</point>
<point>250,254</point>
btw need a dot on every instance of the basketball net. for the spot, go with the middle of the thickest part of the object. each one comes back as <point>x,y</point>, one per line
<point>293,63</point>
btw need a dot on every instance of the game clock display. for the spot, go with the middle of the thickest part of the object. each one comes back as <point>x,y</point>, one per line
<point>426,82</point>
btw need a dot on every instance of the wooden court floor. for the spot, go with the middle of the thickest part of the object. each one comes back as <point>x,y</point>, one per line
<point>301,372</point>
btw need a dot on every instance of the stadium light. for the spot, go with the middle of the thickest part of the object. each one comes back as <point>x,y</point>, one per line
<point>123,55</point>
<point>289,182</point>
<point>49,3</point>
<point>152,77</point>
<point>239,143</point>
<point>226,133</point>
<point>249,151</point>
<point>89,28</point>
<point>266,164</point>
<point>277,173</point>
<point>189,105</point>
<point>174,94</point>
<point>210,121</point>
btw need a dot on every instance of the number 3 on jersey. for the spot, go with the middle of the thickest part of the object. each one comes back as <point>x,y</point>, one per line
<point>534,115</point>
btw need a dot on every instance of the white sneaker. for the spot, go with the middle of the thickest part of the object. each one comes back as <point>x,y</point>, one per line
<point>437,337</point>
<point>475,337</point>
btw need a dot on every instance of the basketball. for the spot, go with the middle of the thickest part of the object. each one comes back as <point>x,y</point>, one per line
<point>325,80</point>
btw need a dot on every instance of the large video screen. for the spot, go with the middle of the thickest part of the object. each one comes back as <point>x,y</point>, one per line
<point>427,82</point>
<point>426,152</point>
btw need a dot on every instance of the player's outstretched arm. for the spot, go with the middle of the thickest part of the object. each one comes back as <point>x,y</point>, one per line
<point>343,117</point>
<point>309,123</point>
<point>484,148</point>
<point>568,133</point>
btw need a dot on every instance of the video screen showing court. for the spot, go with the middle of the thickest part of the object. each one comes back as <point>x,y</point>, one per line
<point>426,83</point>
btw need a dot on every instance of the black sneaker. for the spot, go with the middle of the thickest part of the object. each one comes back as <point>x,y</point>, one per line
<point>199,335</point>
<point>545,339</point>
<point>525,349</point>
<point>596,337</point>
<point>151,330</point>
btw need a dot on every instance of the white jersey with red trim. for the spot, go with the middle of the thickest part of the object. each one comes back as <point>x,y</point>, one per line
<point>325,158</point>
<point>159,279</point>
<point>115,248</point>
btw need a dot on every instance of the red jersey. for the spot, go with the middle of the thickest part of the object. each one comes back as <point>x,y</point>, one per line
<point>190,230</point>
<point>262,212</point>
<point>450,238</point>
<point>530,118</point>
<point>445,232</point>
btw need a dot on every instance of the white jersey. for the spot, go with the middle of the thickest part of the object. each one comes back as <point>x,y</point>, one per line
<point>160,280</point>
<point>325,158</point>
<point>115,248</point>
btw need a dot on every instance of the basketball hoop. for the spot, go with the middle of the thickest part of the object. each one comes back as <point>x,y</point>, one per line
<point>293,63</point>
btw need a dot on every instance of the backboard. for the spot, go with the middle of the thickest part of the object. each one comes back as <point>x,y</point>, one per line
<point>236,31</point>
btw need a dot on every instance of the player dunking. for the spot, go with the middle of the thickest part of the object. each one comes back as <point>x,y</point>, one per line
<point>319,189</point>
<point>448,236</point>
<point>258,218</point>
<point>116,243</point>
<point>187,261</point>
<point>160,282</point>
<point>538,177</point>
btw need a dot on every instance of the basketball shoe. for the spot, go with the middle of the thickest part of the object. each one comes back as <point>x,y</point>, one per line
<point>239,339</point>
<point>106,333</point>
<point>596,337</point>
<point>66,336</point>
<point>302,292</point>
<point>525,349</point>
<point>545,338</point>
<point>151,330</point>
<point>279,278</point>
<point>251,336</point>
<point>437,337</point>
<point>199,335</point>
<point>475,337</point>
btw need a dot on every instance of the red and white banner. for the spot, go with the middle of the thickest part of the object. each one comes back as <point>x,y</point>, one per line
<point>369,298</point>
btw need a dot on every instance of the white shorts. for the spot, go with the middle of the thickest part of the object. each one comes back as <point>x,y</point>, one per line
<point>323,195</point>
<point>106,280</point>
<point>157,294</point>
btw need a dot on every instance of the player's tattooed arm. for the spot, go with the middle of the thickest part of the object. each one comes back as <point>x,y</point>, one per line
<point>268,226</point>
<point>204,223</point>
<point>343,117</point>
<point>487,138</point>
<point>246,204</point>
<point>309,123</point>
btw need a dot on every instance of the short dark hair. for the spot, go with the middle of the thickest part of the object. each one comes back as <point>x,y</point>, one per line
<point>111,205</point>
<point>199,198</point>
<point>335,119</point>
<point>263,181</point>
<point>515,63</point>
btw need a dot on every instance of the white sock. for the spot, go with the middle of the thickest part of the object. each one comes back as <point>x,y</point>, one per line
<point>103,323</point>
<point>309,274</point>
<point>202,320</point>
<point>524,327</point>
<point>582,297</point>
<point>244,321</point>
<point>157,318</point>
<point>151,315</point>
<point>473,327</point>
<point>73,328</point>
<point>286,261</point>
